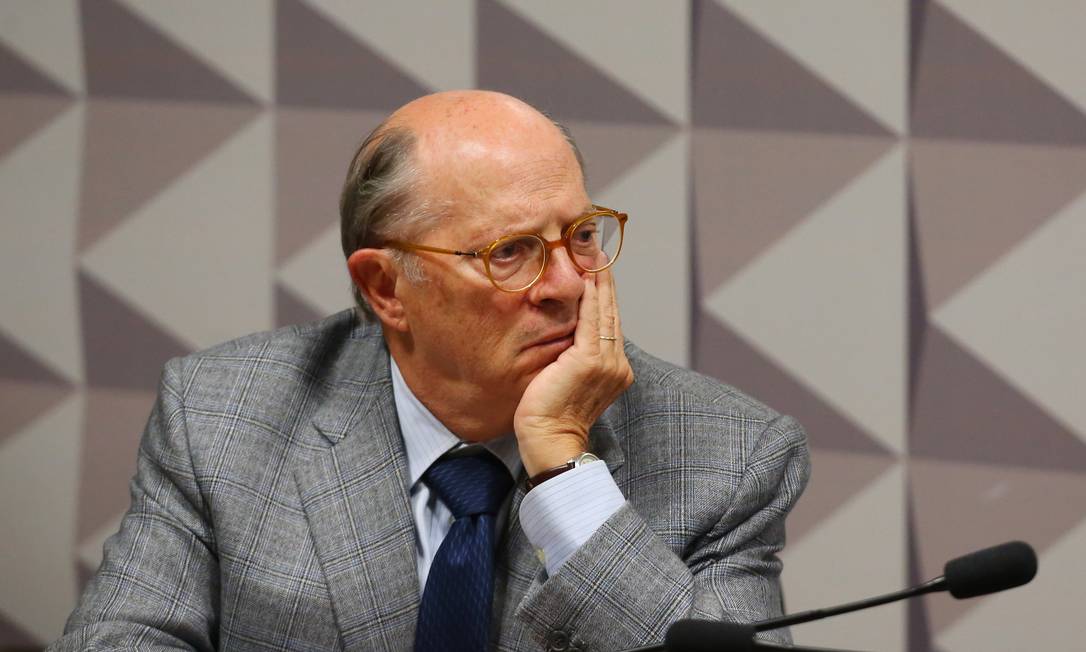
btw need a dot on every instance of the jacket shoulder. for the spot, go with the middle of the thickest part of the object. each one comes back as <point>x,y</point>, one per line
<point>662,384</point>
<point>312,352</point>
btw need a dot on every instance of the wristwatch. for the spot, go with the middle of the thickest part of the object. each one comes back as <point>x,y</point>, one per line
<point>547,474</point>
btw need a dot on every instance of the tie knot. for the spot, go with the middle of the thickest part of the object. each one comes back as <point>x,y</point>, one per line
<point>469,484</point>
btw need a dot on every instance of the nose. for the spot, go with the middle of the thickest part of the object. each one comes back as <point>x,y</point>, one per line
<point>561,282</point>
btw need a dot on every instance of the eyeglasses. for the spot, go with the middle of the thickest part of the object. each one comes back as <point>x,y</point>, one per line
<point>515,262</point>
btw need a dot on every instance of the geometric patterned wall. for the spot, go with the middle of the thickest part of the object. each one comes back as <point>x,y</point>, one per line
<point>872,215</point>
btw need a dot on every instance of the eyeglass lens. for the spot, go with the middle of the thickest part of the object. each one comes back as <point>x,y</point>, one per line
<point>515,262</point>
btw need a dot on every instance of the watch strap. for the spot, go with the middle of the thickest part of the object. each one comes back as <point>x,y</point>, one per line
<point>547,474</point>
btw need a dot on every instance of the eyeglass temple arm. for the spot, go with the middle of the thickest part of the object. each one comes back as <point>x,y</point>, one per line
<point>436,250</point>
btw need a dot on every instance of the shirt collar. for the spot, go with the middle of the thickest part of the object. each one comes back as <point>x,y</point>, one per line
<point>426,439</point>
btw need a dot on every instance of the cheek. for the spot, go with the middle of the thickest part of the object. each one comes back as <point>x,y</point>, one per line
<point>493,336</point>
<point>479,329</point>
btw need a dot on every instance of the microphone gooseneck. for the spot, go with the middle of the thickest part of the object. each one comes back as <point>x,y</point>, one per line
<point>979,573</point>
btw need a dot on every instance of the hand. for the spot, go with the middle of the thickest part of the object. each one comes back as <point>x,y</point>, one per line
<point>562,402</point>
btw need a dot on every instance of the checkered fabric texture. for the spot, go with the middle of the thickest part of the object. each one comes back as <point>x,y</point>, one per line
<point>907,180</point>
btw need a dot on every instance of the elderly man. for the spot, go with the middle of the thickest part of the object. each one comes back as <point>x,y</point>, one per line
<point>473,459</point>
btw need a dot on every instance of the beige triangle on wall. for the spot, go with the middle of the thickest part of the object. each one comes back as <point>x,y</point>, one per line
<point>1026,312</point>
<point>39,188</point>
<point>48,35</point>
<point>1043,615</point>
<point>643,46</point>
<point>42,462</point>
<point>827,300</point>
<point>202,245</point>
<point>1046,38</point>
<point>853,553</point>
<point>317,274</point>
<point>447,28</point>
<point>859,47</point>
<point>233,38</point>
<point>653,275</point>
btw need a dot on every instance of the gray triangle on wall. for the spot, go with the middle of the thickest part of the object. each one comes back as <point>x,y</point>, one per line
<point>610,150</point>
<point>19,76</point>
<point>965,87</point>
<point>320,65</point>
<point>742,208</point>
<point>16,363</point>
<point>23,402</point>
<point>742,80</point>
<point>25,114</point>
<point>313,148</point>
<point>124,56</point>
<point>28,388</point>
<point>113,423</point>
<point>148,145</point>
<point>15,638</point>
<point>517,58</point>
<point>917,627</point>
<point>290,309</point>
<point>964,411</point>
<point>837,477</point>
<point>122,347</point>
<point>723,354</point>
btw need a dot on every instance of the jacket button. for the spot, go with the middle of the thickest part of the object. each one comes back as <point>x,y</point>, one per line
<point>558,641</point>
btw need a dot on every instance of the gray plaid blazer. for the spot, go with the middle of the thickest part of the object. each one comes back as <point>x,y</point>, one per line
<point>270,511</point>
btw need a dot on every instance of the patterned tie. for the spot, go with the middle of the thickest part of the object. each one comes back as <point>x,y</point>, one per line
<point>455,610</point>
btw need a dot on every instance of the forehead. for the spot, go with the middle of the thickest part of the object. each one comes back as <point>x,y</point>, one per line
<point>489,193</point>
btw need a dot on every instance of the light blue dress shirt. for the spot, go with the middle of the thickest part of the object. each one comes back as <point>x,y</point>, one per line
<point>558,516</point>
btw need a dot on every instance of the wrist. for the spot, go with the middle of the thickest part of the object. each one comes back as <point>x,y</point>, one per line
<point>539,455</point>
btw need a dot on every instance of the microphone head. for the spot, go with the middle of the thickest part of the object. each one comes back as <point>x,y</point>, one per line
<point>990,570</point>
<point>709,636</point>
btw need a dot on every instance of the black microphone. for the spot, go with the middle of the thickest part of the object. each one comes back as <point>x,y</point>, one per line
<point>979,573</point>
<point>990,570</point>
<point>717,636</point>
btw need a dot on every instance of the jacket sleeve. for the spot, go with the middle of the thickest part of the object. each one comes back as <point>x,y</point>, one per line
<point>625,585</point>
<point>158,585</point>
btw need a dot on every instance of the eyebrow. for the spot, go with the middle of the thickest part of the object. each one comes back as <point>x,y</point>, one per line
<point>488,236</point>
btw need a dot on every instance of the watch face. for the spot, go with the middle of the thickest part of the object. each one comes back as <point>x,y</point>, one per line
<point>584,458</point>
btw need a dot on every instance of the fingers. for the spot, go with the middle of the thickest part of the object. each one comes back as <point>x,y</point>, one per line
<point>616,319</point>
<point>588,319</point>
<point>610,315</point>
<point>606,291</point>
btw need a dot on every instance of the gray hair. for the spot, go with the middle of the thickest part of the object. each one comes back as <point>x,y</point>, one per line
<point>380,201</point>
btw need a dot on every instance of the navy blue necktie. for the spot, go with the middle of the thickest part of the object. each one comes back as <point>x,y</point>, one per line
<point>455,610</point>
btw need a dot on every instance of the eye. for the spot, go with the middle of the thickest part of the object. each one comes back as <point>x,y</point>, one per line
<point>509,251</point>
<point>586,234</point>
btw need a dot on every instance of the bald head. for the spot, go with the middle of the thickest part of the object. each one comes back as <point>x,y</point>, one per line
<point>467,140</point>
<point>464,114</point>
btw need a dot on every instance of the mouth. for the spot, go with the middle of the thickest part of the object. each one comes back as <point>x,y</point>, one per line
<point>562,338</point>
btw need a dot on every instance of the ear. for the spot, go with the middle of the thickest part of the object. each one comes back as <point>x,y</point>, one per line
<point>376,277</point>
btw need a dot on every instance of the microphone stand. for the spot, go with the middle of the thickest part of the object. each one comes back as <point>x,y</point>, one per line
<point>931,586</point>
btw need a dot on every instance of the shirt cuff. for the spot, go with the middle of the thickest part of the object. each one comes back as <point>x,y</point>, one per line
<point>559,515</point>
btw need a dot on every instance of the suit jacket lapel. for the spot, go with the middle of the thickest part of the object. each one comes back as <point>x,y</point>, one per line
<point>355,497</point>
